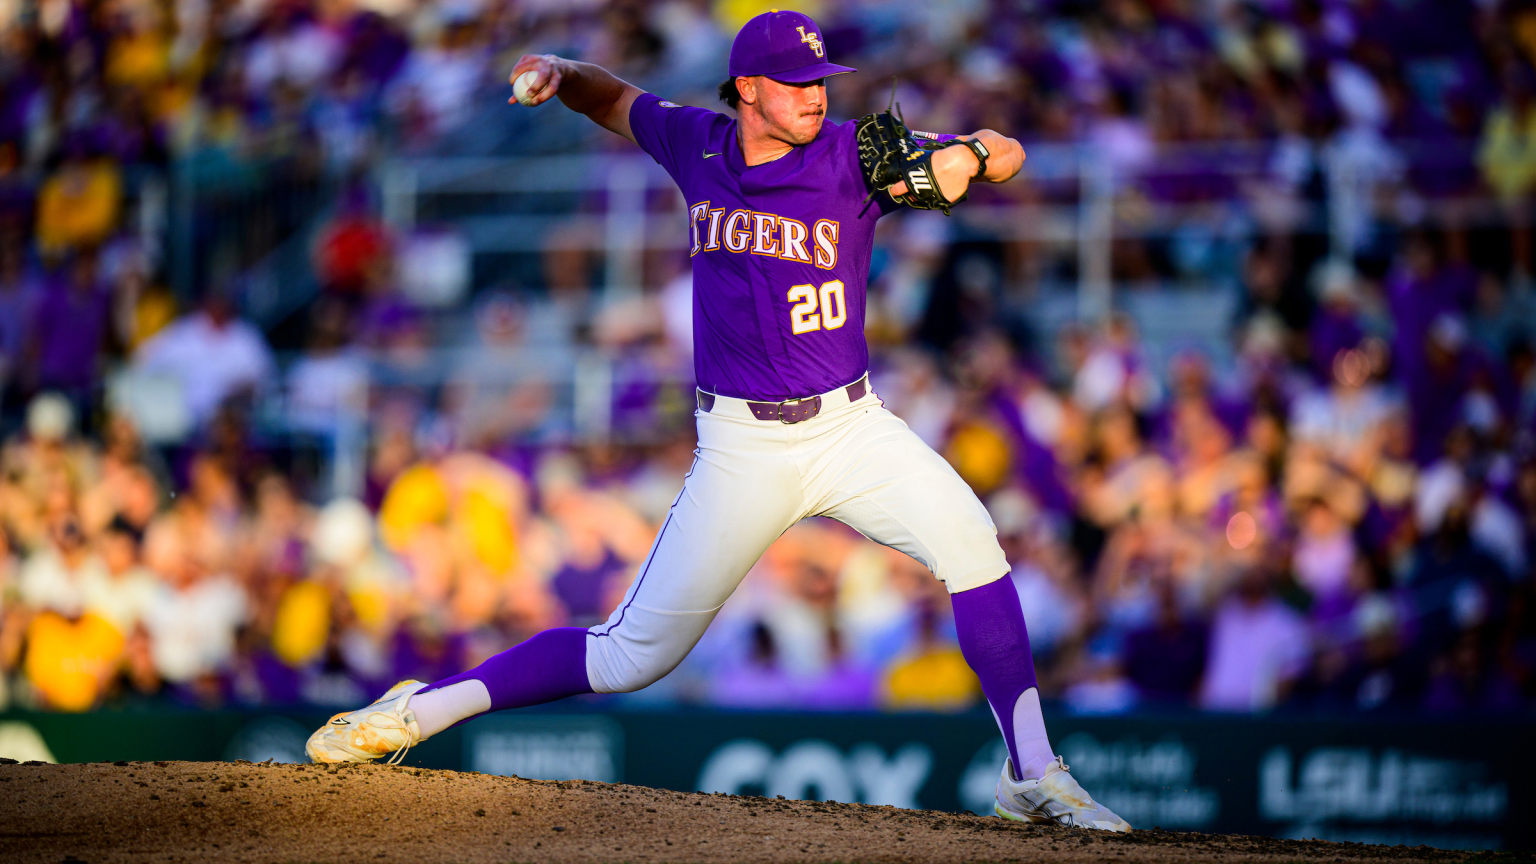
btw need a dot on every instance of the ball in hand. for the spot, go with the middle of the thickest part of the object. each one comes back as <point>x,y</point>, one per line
<point>522,87</point>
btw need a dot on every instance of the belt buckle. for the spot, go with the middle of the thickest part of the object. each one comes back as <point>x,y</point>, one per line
<point>794,415</point>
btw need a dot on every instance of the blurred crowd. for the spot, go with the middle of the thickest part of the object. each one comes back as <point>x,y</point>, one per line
<point>1278,536</point>
<point>1334,512</point>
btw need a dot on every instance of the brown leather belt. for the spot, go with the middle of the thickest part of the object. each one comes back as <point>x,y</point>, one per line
<point>792,410</point>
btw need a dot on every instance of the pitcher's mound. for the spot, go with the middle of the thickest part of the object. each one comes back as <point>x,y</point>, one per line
<point>215,811</point>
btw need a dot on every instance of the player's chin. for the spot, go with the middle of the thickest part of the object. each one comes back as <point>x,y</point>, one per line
<point>808,128</point>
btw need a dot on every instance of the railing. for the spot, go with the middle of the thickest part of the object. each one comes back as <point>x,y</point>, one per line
<point>508,206</point>
<point>228,216</point>
<point>582,391</point>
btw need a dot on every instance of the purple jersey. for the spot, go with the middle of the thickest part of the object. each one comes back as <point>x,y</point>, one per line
<point>780,253</point>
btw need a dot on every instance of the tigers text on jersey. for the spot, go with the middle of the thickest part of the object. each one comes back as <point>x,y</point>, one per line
<point>780,253</point>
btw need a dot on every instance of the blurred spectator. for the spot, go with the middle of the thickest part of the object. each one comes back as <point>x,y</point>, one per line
<point>70,328</point>
<point>122,591</point>
<point>435,90</point>
<point>1324,556</point>
<point>932,676</point>
<point>20,291</point>
<point>1132,481</point>
<point>1507,153</point>
<point>1166,660</point>
<point>293,50</point>
<point>1464,681</point>
<point>54,577</point>
<point>502,391</point>
<point>78,206</point>
<point>757,682</point>
<point>351,255</point>
<point>1100,686</point>
<point>843,685</point>
<point>213,355</point>
<point>327,387</point>
<point>1347,417</point>
<point>194,621</point>
<point>1335,327</point>
<point>72,660</point>
<point>802,618</point>
<point>1044,574</point>
<point>1368,670</point>
<point>144,307</point>
<point>1258,648</point>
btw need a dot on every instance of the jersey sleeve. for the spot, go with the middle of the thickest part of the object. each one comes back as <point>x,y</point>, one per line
<point>668,132</point>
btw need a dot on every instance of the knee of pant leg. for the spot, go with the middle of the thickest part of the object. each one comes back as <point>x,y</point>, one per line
<point>628,679</point>
<point>616,664</point>
<point>638,645</point>
<point>985,574</point>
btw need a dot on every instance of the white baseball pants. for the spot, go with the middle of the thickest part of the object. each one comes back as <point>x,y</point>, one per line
<point>751,480</point>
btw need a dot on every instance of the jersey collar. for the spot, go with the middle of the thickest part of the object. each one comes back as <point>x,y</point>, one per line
<point>737,160</point>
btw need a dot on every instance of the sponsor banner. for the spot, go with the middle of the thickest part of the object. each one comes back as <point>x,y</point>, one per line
<point>1410,783</point>
<point>546,748</point>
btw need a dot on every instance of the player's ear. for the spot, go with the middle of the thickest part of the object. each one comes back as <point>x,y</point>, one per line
<point>747,86</point>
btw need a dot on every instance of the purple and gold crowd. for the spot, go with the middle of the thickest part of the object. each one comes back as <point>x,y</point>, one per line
<point>1333,511</point>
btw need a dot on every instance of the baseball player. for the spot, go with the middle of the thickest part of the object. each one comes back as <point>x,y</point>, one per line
<point>782,206</point>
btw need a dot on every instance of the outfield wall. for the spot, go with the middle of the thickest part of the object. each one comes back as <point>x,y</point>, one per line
<point>1462,785</point>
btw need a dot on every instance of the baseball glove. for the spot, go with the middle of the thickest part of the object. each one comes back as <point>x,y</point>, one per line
<point>890,153</point>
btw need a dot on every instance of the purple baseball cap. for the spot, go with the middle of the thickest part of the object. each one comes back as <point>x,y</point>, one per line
<point>783,45</point>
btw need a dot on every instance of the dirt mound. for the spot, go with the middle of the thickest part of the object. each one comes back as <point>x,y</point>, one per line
<point>227,812</point>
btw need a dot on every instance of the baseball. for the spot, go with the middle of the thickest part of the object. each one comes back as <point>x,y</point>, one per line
<point>522,86</point>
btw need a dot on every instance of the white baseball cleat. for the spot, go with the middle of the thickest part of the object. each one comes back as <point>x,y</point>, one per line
<point>1056,797</point>
<point>387,726</point>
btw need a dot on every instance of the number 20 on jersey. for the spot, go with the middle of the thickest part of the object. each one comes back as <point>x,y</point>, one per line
<point>814,309</point>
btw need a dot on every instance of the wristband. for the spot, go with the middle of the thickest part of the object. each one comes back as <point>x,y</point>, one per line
<point>980,150</point>
<point>940,141</point>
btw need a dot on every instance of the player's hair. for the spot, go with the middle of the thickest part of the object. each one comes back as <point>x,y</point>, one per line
<point>729,94</point>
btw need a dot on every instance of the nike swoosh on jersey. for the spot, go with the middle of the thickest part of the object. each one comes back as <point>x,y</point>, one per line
<point>707,155</point>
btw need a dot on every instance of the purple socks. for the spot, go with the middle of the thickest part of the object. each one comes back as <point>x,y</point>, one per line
<point>990,624</point>
<point>550,666</point>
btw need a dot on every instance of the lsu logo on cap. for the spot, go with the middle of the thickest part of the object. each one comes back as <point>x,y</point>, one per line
<point>811,39</point>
